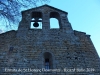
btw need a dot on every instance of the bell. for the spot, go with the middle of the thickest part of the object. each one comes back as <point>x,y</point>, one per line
<point>36,24</point>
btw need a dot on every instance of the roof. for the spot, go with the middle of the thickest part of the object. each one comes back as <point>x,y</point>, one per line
<point>46,6</point>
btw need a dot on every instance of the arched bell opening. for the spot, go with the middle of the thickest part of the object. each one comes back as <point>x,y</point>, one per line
<point>36,21</point>
<point>54,23</point>
<point>54,20</point>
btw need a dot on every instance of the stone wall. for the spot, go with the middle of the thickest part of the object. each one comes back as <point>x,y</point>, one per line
<point>71,51</point>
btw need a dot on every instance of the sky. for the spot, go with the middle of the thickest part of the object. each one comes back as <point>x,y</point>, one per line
<point>84,15</point>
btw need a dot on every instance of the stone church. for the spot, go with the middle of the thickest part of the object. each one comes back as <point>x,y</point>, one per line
<point>35,50</point>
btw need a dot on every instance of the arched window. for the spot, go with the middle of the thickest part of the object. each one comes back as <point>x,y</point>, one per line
<point>48,60</point>
<point>47,63</point>
<point>54,20</point>
<point>36,21</point>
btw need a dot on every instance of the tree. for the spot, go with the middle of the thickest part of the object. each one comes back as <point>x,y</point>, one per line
<point>10,9</point>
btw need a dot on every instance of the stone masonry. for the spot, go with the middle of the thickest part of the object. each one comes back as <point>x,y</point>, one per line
<point>27,50</point>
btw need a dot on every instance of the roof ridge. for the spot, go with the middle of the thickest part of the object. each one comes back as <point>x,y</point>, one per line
<point>47,6</point>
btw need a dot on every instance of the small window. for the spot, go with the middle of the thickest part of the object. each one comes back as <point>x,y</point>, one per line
<point>11,49</point>
<point>47,64</point>
<point>48,60</point>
